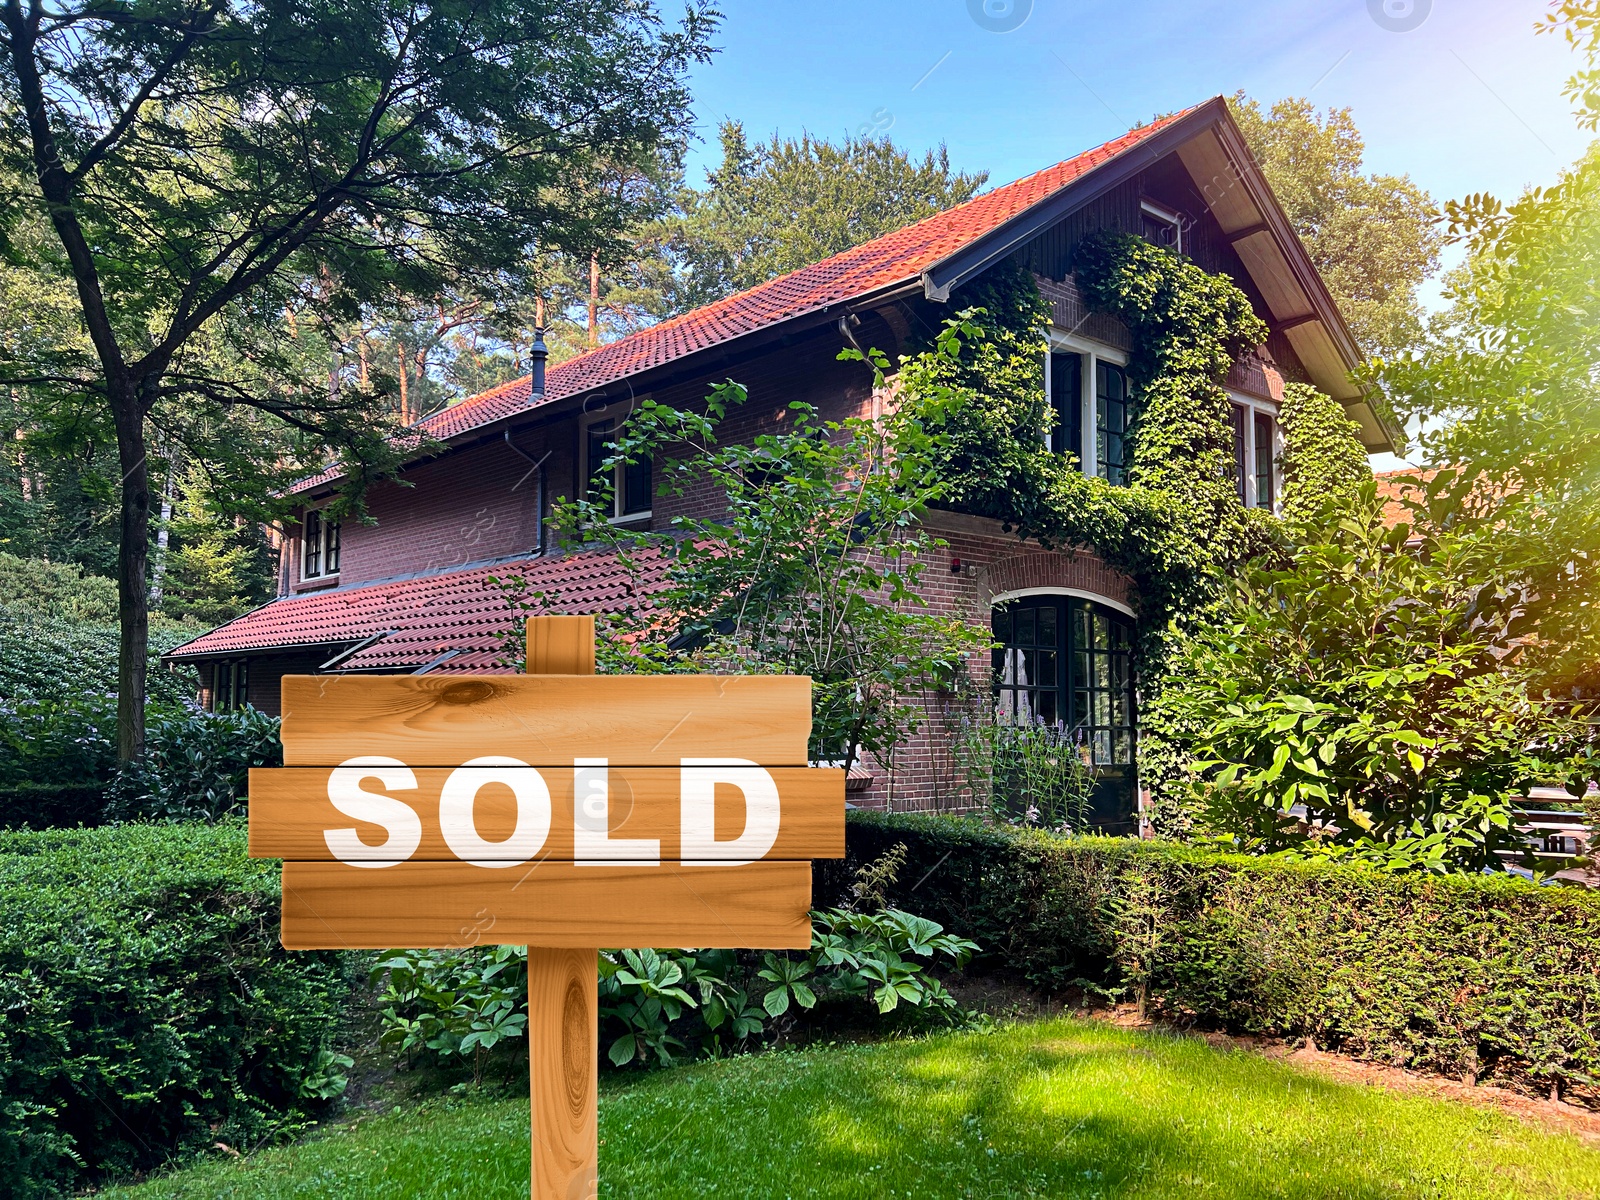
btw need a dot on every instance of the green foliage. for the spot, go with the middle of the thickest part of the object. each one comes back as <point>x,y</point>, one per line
<point>214,567</point>
<point>1508,389</point>
<point>58,763</point>
<point>196,765</point>
<point>57,660</point>
<point>149,1010</point>
<point>786,204</point>
<point>31,587</point>
<point>1024,774</point>
<point>659,1006</point>
<point>1488,976</point>
<point>1189,328</point>
<point>1373,238</point>
<point>813,569</point>
<point>1323,458</point>
<point>1363,700</point>
<point>450,1003</point>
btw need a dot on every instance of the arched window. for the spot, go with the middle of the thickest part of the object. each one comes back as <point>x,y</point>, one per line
<point>1067,663</point>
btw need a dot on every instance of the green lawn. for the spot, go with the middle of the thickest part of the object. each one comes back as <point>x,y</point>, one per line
<point>1059,1108</point>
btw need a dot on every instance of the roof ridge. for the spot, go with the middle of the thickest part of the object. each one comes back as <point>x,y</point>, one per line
<point>890,258</point>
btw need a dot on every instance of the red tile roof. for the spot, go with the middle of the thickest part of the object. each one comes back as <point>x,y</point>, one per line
<point>416,620</point>
<point>894,258</point>
<point>1394,487</point>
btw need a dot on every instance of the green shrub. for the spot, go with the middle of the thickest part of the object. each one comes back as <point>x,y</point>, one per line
<point>58,763</point>
<point>51,805</point>
<point>659,1006</point>
<point>50,589</point>
<point>146,1008</point>
<point>52,658</point>
<point>1488,976</point>
<point>196,765</point>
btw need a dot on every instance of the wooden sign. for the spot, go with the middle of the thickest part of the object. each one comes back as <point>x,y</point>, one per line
<point>560,810</point>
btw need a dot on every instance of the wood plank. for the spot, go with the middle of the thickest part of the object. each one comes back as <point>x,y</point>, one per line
<point>335,906</point>
<point>563,1053</point>
<point>632,720</point>
<point>560,645</point>
<point>291,814</point>
<point>563,994</point>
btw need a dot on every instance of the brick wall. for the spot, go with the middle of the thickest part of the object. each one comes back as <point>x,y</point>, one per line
<point>991,563</point>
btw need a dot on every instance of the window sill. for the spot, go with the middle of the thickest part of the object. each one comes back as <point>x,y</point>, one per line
<point>316,585</point>
<point>637,518</point>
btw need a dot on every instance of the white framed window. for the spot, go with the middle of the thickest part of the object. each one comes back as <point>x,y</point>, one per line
<point>630,484</point>
<point>319,546</point>
<point>1160,225</point>
<point>1094,430</point>
<point>1256,446</point>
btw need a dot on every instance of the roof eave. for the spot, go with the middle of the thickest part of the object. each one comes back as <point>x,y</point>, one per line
<point>957,267</point>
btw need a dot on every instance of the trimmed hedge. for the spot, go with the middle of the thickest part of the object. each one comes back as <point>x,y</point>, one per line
<point>146,1007</point>
<point>1467,975</point>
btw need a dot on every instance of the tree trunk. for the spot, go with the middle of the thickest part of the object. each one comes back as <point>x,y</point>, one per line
<point>158,568</point>
<point>594,300</point>
<point>133,553</point>
<point>400,363</point>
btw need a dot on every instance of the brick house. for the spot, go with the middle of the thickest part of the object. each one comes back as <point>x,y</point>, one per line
<point>412,592</point>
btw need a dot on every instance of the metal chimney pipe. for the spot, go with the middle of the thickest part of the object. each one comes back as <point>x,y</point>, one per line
<point>537,353</point>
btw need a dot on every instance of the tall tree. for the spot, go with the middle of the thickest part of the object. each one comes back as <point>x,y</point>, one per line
<point>1508,385</point>
<point>1374,238</point>
<point>787,203</point>
<point>199,160</point>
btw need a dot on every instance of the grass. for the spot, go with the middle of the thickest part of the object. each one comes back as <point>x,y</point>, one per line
<point>1057,1108</point>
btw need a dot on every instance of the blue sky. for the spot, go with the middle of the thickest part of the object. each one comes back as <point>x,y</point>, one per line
<point>1467,101</point>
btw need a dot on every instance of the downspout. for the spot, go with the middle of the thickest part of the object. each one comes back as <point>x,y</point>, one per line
<point>845,322</point>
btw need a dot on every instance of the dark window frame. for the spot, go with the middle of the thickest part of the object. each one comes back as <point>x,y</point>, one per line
<point>320,541</point>
<point>1113,412</point>
<point>1066,403</point>
<point>1067,661</point>
<point>632,484</point>
<point>1266,496</point>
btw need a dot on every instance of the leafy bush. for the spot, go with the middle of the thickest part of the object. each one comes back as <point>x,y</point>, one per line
<point>663,1005</point>
<point>1483,976</point>
<point>62,757</point>
<point>196,765</point>
<point>51,658</point>
<point>38,588</point>
<point>146,1008</point>
<point>1363,700</point>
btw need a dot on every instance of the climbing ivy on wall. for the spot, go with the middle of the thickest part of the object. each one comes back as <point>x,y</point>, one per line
<point>1179,520</point>
<point>1177,529</point>
<point>1323,459</point>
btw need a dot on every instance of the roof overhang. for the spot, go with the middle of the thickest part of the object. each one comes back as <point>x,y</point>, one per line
<point>1213,151</point>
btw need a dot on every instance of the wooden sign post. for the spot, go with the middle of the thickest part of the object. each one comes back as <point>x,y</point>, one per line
<point>561,810</point>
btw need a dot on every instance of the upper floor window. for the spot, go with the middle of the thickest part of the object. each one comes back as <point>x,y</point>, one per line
<point>1066,405</point>
<point>319,546</point>
<point>1111,422</point>
<point>1160,226</point>
<point>1254,456</point>
<point>628,483</point>
<point>1265,497</point>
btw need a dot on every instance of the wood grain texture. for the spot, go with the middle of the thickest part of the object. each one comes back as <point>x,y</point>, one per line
<point>563,1050</point>
<point>335,906</point>
<point>563,995</point>
<point>631,720</point>
<point>290,813</point>
<point>560,645</point>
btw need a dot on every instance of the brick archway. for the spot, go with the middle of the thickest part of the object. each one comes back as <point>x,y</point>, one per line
<point>1081,572</point>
